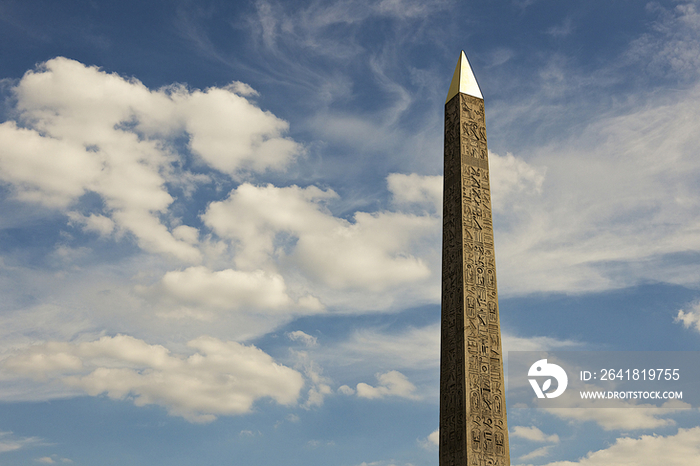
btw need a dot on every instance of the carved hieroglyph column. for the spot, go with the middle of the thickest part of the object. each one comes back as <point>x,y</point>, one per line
<point>473,428</point>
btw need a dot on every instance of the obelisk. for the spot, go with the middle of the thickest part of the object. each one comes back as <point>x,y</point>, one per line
<point>473,427</point>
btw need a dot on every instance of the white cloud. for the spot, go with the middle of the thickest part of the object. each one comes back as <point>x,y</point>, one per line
<point>253,302</point>
<point>50,171</point>
<point>533,434</point>
<point>317,394</point>
<point>425,191</point>
<point>245,304</point>
<point>434,437</point>
<point>231,134</point>
<point>369,253</point>
<point>186,233</point>
<point>97,223</point>
<point>537,453</point>
<point>431,442</point>
<point>10,442</point>
<point>691,318</point>
<point>346,390</point>
<point>681,449</point>
<point>219,378</point>
<point>512,177</point>
<point>392,383</point>
<point>241,89</point>
<point>224,289</point>
<point>53,459</point>
<point>319,384</point>
<point>84,130</point>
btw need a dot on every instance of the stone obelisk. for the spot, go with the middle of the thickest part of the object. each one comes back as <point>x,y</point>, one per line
<point>473,428</point>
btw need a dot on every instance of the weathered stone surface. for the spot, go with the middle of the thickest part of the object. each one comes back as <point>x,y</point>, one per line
<point>473,427</point>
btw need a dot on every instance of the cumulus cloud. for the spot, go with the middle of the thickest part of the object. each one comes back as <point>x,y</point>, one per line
<point>691,318</point>
<point>42,169</point>
<point>292,256</point>
<point>431,442</point>
<point>648,450</point>
<point>100,224</point>
<point>231,134</point>
<point>224,289</point>
<point>392,383</point>
<point>346,390</point>
<point>80,130</point>
<point>368,253</point>
<point>218,378</point>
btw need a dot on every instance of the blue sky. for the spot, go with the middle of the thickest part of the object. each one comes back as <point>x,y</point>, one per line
<point>220,230</point>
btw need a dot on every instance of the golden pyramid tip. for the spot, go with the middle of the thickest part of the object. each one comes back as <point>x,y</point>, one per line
<point>464,80</point>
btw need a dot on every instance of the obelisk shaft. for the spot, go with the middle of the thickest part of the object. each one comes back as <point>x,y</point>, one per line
<point>473,427</point>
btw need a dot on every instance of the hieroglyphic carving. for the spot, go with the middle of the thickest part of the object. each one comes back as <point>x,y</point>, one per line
<point>473,426</point>
<point>453,386</point>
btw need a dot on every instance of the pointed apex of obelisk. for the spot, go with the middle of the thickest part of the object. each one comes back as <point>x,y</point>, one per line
<point>464,80</point>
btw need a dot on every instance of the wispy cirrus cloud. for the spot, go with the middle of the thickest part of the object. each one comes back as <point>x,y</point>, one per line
<point>620,194</point>
<point>10,442</point>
